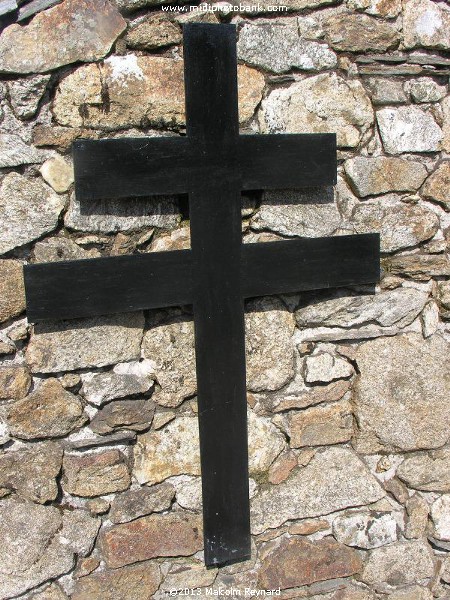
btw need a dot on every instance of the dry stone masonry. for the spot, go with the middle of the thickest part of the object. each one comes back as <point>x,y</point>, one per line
<point>348,390</point>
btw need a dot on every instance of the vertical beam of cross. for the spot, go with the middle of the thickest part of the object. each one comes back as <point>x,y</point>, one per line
<point>215,215</point>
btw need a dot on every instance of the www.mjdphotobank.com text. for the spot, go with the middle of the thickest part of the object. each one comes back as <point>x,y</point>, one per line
<point>227,8</point>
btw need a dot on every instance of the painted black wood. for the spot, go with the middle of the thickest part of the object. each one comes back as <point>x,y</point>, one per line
<point>127,283</point>
<point>213,164</point>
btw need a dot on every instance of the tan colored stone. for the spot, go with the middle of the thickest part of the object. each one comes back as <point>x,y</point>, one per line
<point>173,534</point>
<point>60,248</point>
<point>95,474</point>
<point>381,174</point>
<point>136,503</point>
<point>440,515</point>
<point>325,367</point>
<point>321,560</point>
<point>283,465</point>
<point>414,592</point>
<point>421,267</point>
<point>156,30</point>
<point>444,293</point>
<point>446,124</point>
<point>321,426</point>
<point>142,90</point>
<point>32,472</point>
<point>308,527</point>
<point>429,472</point>
<point>399,378</point>
<point>14,382</point>
<point>437,186</point>
<point>52,592</point>
<point>59,137</point>
<point>378,8</point>
<point>417,510</point>
<point>352,32</point>
<point>76,30</point>
<point>302,396</point>
<point>426,24</point>
<point>50,411</point>
<point>187,575</point>
<point>319,104</point>
<point>127,583</point>
<point>58,173</point>
<point>12,291</point>
<point>85,566</point>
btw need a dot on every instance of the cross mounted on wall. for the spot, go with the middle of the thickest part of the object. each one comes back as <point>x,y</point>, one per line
<point>213,163</point>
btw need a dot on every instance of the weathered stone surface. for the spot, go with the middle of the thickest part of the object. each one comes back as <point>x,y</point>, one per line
<point>392,307</point>
<point>320,426</point>
<point>187,575</point>
<point>421,267</point>
<point>378,175</point>
<point>32,550</point>
<point>446,123</point>
<point>440,515</point>
<point>126,583</point>
<point>427,471</point>
<point>25,94</point>
<point>365,529</point>
<point>326,367</point>
<point>15,381</point>
<point>50,411</point>
<point>174,450</point>
<point>317,489</point>
<point>305,213</point>
<point>52,592</point>
<point>136,415</point>
<point>424,89</point>
<point>80,529</point>
<point>444,293</point>
<point>292,5</point>
<point>12,291</point>
<point>31,473</point>
<point>142,90</point>
<point>14,151</point>
<point>414,592</point>
<point>417,510</point>
<point>68,345</point>
<point>281,467</point>
<point>320,560</point>
<point>57,173</point>
<point>76,30</point>
<point>400,225</point>
<point>83,439</point>
<point>156,30</point>
<point>173,534</point>
<point>28,209</point>
<point>109,216</point>
<point>437,186</point>
<point>268,342</point>
<point>95,474</point>
<point>59,137</point>
<point>61,248</point>
<point>319,104</point>
<point>408,129</point>
<point>257,43</point>
<point>426,24</point>
<point>353,32</point>
<point>385,90</point>
<point>308,526</point>
<point>137,503</point>
<point>127,379</point>
<point>398,564</point>
<point>399,378</point>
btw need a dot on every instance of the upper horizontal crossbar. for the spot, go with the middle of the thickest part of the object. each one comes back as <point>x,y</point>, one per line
<point>127,167</point>
<point>85,288</point>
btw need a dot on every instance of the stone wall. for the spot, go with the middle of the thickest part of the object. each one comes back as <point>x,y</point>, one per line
<point>349,392</point>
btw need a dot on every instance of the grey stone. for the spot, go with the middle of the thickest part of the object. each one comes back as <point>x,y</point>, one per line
<point>408,129</point>
<point>14,151</point>
<point>136,503</point>
<point>79,530</point>
<point>325,367</point>
<point>440,515</point>
<point>85,438</point>
<point>426,24</point>
<point>61,248</point>
<point>437,186</point>
<point>57,346</point>
<point>429,472</point>
<point>278,47</point>
<point>385,90</point>
<point>28,209</point>
<point>32,550</point>
<point>424,89</point>
<point>392,307</point>
<point>75,30</point>
<point>400,224</point>
<point>136,415</point>
<point>51,592</point>
<point>25,94</point>
<point>398,564</point>
<point>319,104</point>
<point>121,382</point>
<point>365,529</point>
<point>31,472</point>
<point>378,175</point>
<point>109,216</point>
<point>89,475</point>
<point>309,213</point>
<point>156,30</point>
<point>352,32</point>
<point>317,489</point>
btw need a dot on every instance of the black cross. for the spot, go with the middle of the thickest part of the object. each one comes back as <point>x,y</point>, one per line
<point>213,163</point>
